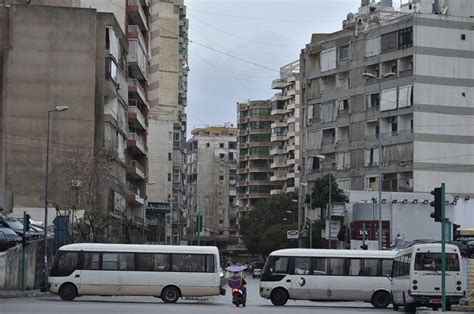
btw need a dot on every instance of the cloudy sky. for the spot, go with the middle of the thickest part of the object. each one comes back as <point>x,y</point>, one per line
<point>266,33</point>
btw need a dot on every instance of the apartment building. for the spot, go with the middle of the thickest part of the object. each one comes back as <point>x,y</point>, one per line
<point>167,117</point>
<point>211,190</point>
<point>285,137</point>
<point>254,143</point>
<point>80,65</point>
<point>391,92</point>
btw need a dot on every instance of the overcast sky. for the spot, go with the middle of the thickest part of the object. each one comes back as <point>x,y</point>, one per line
<point>268,33</point>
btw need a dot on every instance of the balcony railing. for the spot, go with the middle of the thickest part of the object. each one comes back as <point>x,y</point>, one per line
<point>140,90</point>
<point>139,18</point>
<point>137,57</point>
<point>141,39</point>
<point>140,116</point>
<point>140,142</point>
<point>328,141</point>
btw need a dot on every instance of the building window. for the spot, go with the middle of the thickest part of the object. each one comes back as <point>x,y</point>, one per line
<point>169,177</point>
<point>405,38</point>
<point>176,176</point>
<point>231,156</point>
<point>221,145</point>
<point>463,36</point>
<point>170,157</point>
<point>207,145</point>
<point>344,52</point>
<point>232,145</point>
<point>222,156</point>
<point>388,42</point>
<point>221,178</point>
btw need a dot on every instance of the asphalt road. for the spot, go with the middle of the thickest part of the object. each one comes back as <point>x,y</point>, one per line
<point>222,304</point>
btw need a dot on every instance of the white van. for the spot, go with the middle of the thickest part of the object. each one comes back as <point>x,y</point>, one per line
<point>416,277</point>
<point>327,275</point>
<point>165,271</point>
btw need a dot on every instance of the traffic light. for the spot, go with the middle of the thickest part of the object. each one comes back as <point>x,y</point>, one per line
<point>199,223</point>
<point>456,232</point>
<point>27,222</point>
<point>437,204</point>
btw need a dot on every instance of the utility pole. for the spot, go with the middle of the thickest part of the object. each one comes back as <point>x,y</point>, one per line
<point>379,201</point>
<point>329,210</point>
<point>443,247</point>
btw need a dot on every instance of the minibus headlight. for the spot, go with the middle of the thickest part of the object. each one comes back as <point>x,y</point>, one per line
<point>458,288</point>
<point>415,282</point>
<point>458,282</point>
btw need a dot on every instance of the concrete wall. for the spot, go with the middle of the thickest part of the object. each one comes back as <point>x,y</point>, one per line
<point>47,62</point>
<point>11,262</point>
<point>411,221</point>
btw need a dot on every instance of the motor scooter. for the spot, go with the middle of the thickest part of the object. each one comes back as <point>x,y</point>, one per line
<point>236,281</point>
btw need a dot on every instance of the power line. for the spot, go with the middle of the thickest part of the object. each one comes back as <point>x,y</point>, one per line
<point>247,39</point>
<point>262,19</point>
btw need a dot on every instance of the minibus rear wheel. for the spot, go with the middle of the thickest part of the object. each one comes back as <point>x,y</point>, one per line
<point>67,292</point>
<point>381,299</point>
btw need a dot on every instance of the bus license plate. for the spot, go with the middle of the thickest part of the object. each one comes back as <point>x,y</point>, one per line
<point>435,300</point>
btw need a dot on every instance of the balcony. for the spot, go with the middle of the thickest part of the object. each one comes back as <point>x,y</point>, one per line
<point>290,162</point>
<point>279,97</point>
<point>277,151</point>
<point>136,143</point>
<point>279,111</point>
<point>279,84</point>
<point>328,141</point>
<point>256,169</point>
<point>137,61</point>
<point>136,118</point>
<point>136,91</point>
<point>291,92</point>
<point>137,15</point>
<point>279,124</point>
<point>278,164</point>
<point>291,106</point>
<point>276,191</point>
<point>278,137</point>
<point>135,32</point>
<point>278,177</point>
<point>134,196</point>
<point>135,170</point>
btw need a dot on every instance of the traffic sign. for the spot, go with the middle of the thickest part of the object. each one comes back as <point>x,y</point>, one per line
<point>292,234</point>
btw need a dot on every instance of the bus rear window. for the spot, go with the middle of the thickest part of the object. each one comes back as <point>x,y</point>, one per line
<point>432,261</point>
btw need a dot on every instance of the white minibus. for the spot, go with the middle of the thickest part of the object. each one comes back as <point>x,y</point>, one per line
<point>327,275</point>
<point>164,271</point>
<point>416,277</point>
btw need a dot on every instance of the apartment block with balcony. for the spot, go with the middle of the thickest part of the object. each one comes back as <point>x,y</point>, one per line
<point>285,138</point>
<point>211,191</point>
<point>92,133</point>
<point>167,96</point>
<point>394,81</point>
<point>254,144</point>
<point>138,35</point>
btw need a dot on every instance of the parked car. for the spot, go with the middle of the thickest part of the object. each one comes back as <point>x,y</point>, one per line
<point>257,272</point>
<point>17,226</point>
<point>8,238</point>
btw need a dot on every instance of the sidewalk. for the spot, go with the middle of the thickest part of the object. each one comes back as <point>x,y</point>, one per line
<point>6,294</point>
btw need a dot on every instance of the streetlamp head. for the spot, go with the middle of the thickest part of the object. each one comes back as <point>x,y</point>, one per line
<point>321,157</point>
<point>61,108</point>
<point>294,201</point>
<point>389,74</point>
<point>368,76</point>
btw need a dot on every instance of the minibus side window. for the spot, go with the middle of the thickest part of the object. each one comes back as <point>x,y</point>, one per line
<point>66,264</point>
<point>91,261</point>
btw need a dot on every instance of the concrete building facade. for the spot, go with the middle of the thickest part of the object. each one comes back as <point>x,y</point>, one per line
<point>285,138</point>
<point>75,59</point>
<point>396,81</point>
<point>254,143</point>
<point>167,118</point>
<point>211,189</point>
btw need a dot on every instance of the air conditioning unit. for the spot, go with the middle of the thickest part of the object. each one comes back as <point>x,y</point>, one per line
<point>76,183</point>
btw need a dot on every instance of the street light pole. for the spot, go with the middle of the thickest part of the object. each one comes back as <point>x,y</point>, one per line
<point>45,235</point>
<point>329,210</point>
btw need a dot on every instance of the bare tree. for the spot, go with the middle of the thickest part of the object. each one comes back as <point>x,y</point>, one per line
<point>84,183</point>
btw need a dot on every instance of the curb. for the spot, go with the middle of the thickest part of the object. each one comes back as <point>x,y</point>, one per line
<point>22,294</point>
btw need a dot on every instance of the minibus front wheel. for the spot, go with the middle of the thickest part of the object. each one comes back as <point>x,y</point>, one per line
<point>67,291</point>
